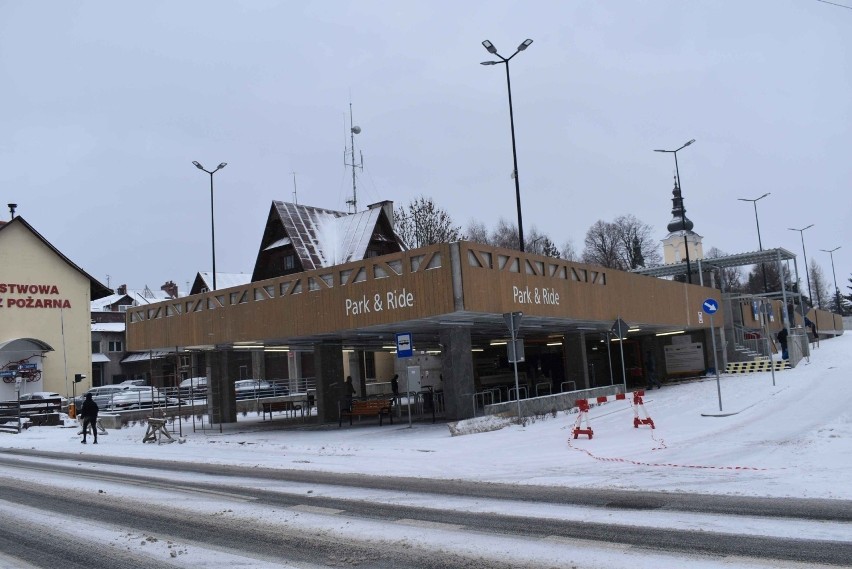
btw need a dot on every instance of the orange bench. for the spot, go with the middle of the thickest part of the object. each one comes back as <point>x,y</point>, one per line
<point>368,408</point>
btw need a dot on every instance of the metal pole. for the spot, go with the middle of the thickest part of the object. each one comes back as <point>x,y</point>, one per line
<point>609,360</point>
<point>515,362</point>
<point>621,348</point>
<point>212,230</point>
<point>715,362</point>
<point>760,245</point>
<point>515,161</point>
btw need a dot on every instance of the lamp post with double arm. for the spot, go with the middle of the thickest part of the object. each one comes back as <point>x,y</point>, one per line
<point>212,225</point>
<point>836,290</point>
<point>682,208</point>
<point>505,60</point>
<point>759,242</point>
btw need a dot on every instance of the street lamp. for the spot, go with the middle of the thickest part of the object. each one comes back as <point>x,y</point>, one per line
<point>682,208</point>
<point>759,242</point>
<point>493,51</point>
<point>836,290</point>
<point>212,226</point>
<point>805,255</point>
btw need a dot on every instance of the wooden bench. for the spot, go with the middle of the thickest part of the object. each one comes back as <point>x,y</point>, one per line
<point>288,406</point>
<point>368,408</point>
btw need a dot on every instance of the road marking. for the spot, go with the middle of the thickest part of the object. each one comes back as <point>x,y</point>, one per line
<point>316,509</point>
<point>429,525</point>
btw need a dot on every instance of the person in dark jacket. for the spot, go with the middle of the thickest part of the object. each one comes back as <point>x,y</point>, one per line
<point>395,387</point>
<point>782,339</point>
<point>89,413</point>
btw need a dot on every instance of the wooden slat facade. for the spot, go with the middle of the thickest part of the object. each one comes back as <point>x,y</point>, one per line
<point>504,280</point>
<point>354,295</point>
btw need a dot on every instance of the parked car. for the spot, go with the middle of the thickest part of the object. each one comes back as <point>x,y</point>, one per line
<point>193,387</point>
<point>101,395</point>
<point>137,397</point>
<point>134,382</point>
<point>253,388</point>
<point>39,396</point>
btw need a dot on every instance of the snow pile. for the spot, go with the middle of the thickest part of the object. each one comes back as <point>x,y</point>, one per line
<point>479,425</point>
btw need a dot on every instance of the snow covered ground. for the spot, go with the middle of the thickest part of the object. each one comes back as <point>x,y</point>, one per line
<point>791,439</point>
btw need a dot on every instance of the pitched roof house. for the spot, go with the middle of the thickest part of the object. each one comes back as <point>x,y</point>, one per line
<point>302,238</point>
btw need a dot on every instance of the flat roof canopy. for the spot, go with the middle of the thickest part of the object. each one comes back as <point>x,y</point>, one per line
<point>738,260</point>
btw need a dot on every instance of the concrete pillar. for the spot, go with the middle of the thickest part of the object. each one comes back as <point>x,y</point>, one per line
<point>575,360</point>
<point>457,370</point>
<point>328,363</point>
<point>258,364</point>
<point>220,386</point>
<point>358,379</point>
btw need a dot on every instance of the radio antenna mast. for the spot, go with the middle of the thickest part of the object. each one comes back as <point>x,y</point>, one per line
<point>295,199</point>
<point>353,130</point>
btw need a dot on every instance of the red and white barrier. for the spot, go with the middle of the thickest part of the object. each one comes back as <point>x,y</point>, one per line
<point>638,403</point>
<point>583,415</point>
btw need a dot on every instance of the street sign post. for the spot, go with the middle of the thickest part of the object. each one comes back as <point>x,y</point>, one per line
<point>404,345</point>
<point>619,330</point>
<point>513,321</point>
<point>710,306</point>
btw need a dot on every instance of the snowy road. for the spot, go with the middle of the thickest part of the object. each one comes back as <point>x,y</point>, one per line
<point>119,514</point>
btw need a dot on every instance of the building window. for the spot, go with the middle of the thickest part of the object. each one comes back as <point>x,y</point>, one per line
<point>116,346</point>
<point>96,346</point>
<point>289,262</point>
<point>372,253</point>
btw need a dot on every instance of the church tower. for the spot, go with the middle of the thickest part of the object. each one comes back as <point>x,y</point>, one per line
<point>681,234</point>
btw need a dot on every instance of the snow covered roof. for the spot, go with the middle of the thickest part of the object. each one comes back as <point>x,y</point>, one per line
<point>223,280</point>
<point>323,237</point>
<point>108,327</point>
<point>144,356</point>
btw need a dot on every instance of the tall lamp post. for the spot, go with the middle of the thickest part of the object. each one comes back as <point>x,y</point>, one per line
<point>682,208</point>
<point>212,226</point>
<point>759,242</point>
<point>805,255</point>
<point>505,60</point>
<point>836,290</point>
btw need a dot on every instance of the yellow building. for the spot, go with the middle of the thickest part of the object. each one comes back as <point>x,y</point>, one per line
<point>45,320</point>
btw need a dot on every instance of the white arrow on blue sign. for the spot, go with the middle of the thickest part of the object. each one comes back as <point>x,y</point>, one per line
<point>710,306</point>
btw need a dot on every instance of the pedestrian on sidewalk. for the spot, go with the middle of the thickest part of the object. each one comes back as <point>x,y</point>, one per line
<point>89,413</point>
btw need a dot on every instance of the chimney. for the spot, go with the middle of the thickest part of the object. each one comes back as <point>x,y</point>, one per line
<point>386,205</point>
<point>12,208</point>
<point>122,289</point>
<point>170,288</point>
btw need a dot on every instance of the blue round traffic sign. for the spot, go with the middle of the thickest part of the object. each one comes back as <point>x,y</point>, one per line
<point>710,306</point>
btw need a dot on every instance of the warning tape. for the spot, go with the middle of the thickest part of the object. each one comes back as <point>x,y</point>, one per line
<point>661,446</point>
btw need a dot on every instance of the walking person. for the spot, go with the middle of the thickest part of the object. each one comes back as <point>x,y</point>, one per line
<point>349,391</point>
<point>651,371</point>
<point>395,387</point>
<point>782,339</point>
<point>89,413</point>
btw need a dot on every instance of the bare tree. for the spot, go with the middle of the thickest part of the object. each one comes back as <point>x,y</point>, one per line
<point>568,252</point>
<point>729,277</point>
<point>819,287</point>
<point>602,245</point>
<point>477,232</point>
<point>505,235</point>
<point>422,223</point>
<point>539,243</point>
<point>636,247</point>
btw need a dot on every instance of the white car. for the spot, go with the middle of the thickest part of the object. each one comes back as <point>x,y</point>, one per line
<point>137,397</point>
<point>40,396</point>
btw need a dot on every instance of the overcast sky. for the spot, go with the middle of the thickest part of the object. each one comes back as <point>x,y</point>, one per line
<point>104,106</point>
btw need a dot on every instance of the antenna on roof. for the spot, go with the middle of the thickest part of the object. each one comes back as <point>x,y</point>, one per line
<point>295,199</point>
<point>353,130</point>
